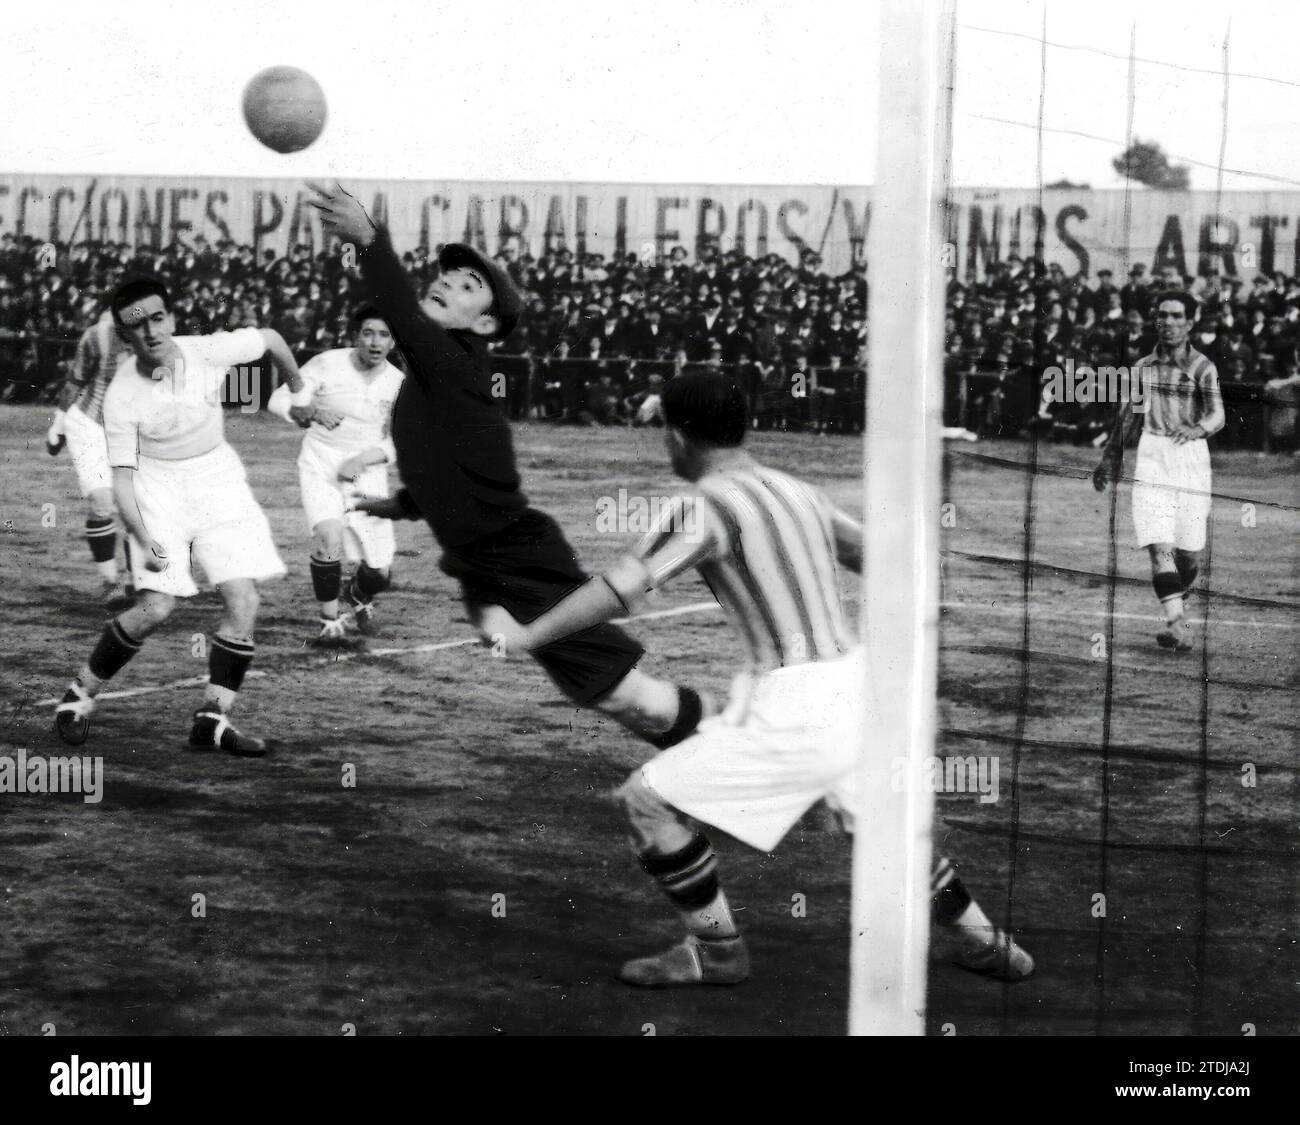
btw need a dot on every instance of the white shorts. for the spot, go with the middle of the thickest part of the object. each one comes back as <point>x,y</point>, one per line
<point>787,740</point>
<point>89,451</point>
<point>1171,492</point>
<point>325,497</point>
<point>201,510</point>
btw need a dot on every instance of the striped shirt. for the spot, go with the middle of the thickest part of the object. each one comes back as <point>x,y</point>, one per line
<point>1180,389</point>
<point>767,546</point>
<point>99,353</point>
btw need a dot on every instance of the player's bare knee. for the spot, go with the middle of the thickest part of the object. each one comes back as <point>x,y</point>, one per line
<point>656,825</point>
<point>241,600</point>
<point>327,541</point>
<point>642,703</point>
<point>101,504</point>
<point>1162,556</point>
<point>151,609</point>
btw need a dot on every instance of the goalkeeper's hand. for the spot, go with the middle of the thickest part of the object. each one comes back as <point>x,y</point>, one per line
<point>54,439</point>
<point>383,507</point>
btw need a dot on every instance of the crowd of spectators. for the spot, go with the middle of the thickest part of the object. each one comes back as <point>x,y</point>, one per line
<point>601,335</point>
<point>1004,333</point>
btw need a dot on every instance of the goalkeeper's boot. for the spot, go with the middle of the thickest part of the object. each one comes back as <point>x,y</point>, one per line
<point>363,608</point>
<point>717,961</point>
<point>72,715</point>
<point>213,730</point>
<point>1003,959</point>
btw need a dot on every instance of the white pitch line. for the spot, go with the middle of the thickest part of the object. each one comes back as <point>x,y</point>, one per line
<point>1017,611</point>
<point>410,650</point>
<point>193,681</point>
<point>677,611</point>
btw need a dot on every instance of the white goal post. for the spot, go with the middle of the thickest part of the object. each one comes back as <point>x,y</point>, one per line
<point>902,466</point>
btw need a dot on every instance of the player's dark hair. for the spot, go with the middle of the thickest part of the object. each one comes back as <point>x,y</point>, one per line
<point>1190,304</point>
<point>368,312</point>
<point>136,289</point>
<point>707,407</point>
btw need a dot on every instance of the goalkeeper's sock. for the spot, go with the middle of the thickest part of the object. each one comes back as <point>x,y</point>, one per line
<point>689,877</point>
<point>951,906</point>
<point>690,710</point>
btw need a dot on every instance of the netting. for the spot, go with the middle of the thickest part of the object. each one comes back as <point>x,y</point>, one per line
<point>1147,828</point>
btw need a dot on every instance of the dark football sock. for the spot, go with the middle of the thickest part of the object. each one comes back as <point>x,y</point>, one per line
<point>369,582</point>
<point>228,660</point>
<point>1187,574</point>
<point>689,878</point>
<point>111,653</point>
<point>948,894</point>
<point>1169,589</point>
<point>690,709</point>
<point>101,535</point>
<point>951,906</point>
<point>326,578</point>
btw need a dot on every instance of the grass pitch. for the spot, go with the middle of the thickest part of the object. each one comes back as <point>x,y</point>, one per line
<point>475,878</point>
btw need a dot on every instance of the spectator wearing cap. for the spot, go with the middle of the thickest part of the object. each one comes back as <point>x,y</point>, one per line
<point>613,333</point>
<point>703,328</point>
<point>733,339</point>
<point>1136,293</point>
<point>649,336</point>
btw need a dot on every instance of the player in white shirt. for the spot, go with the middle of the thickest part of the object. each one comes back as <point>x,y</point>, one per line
<point>345,454</point>
<point>182,494</point>
<point>78,424</point>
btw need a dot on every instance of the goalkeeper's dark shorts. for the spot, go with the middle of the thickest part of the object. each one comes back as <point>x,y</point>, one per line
<point>527,568</point>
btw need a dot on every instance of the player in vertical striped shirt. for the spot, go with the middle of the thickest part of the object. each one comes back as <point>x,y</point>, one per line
<point>769,547</point>
<point>79,423</point>
<point>1180,408</point>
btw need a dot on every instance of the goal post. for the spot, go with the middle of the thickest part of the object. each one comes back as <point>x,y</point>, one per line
<point>902,464</point>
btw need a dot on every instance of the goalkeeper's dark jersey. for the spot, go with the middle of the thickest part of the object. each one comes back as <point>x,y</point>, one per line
<point>455,453</point>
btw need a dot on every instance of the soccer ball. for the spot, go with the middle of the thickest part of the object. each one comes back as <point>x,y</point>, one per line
<point>284,108</point>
